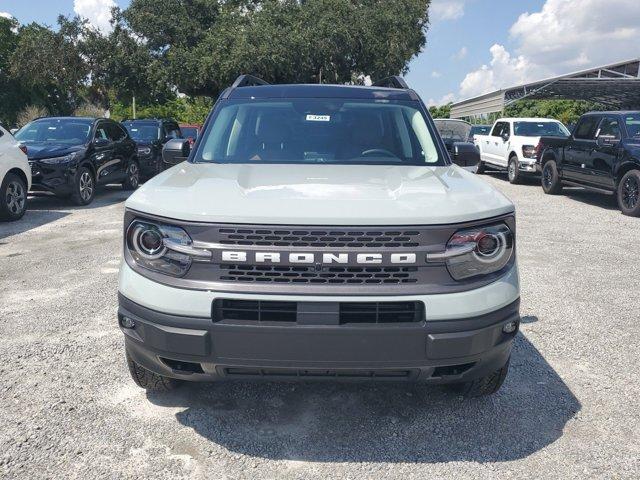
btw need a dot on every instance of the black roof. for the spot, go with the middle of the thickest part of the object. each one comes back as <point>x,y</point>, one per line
<point>320,91</point>
<point>614,112</point>
<point>148,120</point>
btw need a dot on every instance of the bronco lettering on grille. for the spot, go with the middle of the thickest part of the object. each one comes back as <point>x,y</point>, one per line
<point>321,258</point>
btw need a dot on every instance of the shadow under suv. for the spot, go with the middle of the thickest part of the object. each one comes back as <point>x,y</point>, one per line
<point>71,156</point>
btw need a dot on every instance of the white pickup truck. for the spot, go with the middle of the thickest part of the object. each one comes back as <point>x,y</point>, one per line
<point>512,144</point>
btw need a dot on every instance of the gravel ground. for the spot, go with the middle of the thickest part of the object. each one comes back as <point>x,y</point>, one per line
<point>569,407</point>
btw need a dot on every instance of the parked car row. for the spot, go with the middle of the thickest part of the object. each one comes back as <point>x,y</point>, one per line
<point>70,157</point>
<point>601,153</point>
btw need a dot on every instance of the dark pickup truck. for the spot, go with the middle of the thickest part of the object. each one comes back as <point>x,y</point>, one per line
<point>602,154</point>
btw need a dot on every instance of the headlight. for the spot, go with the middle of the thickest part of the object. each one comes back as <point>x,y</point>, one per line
<point>489,249</point>
<point>60,160</point>
<point>147,243</point>
<point>144,150</point>
<point>529,151</point>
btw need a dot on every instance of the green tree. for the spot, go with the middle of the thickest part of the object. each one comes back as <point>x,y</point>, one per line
<point>442,111</point>
<point>11,95</point>
<point>567,111</point>
<point>205,44</point>
<point>50,67</point>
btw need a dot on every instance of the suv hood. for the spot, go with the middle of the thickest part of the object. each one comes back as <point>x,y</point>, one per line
<point>37,151</point>
<point>319,195</point>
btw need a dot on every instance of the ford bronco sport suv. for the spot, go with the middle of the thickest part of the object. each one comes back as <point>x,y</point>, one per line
<point>319,232</point>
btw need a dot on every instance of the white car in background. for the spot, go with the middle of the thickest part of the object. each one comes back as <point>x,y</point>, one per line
<point>15,175</point>
<point>512,144</point>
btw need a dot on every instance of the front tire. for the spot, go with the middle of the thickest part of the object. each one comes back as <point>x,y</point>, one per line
<point>513,171</point>
<point>629,193</point>
<point>84,188</point>
<point>13,198</point>
<point>152,382</point>
<point>551,183</point>
<point>486,385</point>
<point>132,181</point>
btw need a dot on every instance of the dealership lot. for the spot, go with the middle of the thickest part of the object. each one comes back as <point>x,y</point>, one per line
<point>568,408</point>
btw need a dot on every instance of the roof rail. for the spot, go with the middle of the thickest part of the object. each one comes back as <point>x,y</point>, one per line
<point>395,81</point>
<point>248,81</point>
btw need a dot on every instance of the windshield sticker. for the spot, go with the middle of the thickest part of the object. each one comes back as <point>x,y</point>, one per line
<point>318,118</point>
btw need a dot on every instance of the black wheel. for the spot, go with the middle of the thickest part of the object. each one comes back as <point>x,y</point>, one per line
<point>13,196</point>
<point>84,189</point>
<point>481,168</point>
<point>629,193</point>
<point>513,170</point>
<point>132,180</point>
<point>551,183</point>
<point>483,386</point>
<point>148,380</point>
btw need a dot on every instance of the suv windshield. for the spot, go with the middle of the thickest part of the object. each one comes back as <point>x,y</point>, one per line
<point>70,131</point>
<point>143,131</point>
<point>312,131</point>
<point>632,121</point>
<point>539,129</point>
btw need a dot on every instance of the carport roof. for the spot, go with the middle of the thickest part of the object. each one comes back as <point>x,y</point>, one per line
<point>616,86</point>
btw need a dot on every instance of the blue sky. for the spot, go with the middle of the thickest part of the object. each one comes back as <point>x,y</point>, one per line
<point>473,46</point>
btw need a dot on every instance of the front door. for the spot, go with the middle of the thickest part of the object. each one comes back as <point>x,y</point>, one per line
<point>492,144</point>
<point>103,154</point>
<point>577,152</point>
<point>604,155</point>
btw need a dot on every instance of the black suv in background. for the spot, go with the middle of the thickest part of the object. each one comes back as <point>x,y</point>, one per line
<point>151,134</point>
<point>71,156</point>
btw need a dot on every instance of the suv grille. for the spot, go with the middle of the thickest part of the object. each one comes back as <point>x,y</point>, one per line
<point>319,238</point>
<point>327,275</point>
<point>346,312</point>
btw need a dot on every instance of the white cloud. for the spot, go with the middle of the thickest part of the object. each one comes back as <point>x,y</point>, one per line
<point>98,12</point>
<point>6,15</point>
<point>558,39</point>
<point>460,54</point>
<point>446,9</point>
<point>564,37</point>
<point>503,70</point>
<point>449,97</point>
<point>435,74</point>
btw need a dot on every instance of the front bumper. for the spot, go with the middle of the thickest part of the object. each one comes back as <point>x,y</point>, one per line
<point>527,165</point>
<point>200,349</point>
<point>149,164</point>
<point>56,179</point>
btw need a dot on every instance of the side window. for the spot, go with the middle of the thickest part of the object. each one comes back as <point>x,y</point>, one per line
<point>115,132</point>
<point>172,130</point>
<point>586,129</point>
<point>498,129</point>
<point>609,127</point>
<point>101,131</point>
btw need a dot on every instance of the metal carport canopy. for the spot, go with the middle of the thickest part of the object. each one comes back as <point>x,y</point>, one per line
<point>617,86</point>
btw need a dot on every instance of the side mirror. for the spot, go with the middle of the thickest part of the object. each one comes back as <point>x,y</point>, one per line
<point>466,155</point>
<point>101,142</point>
<point>505,137</point>
<point>175,151</point>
